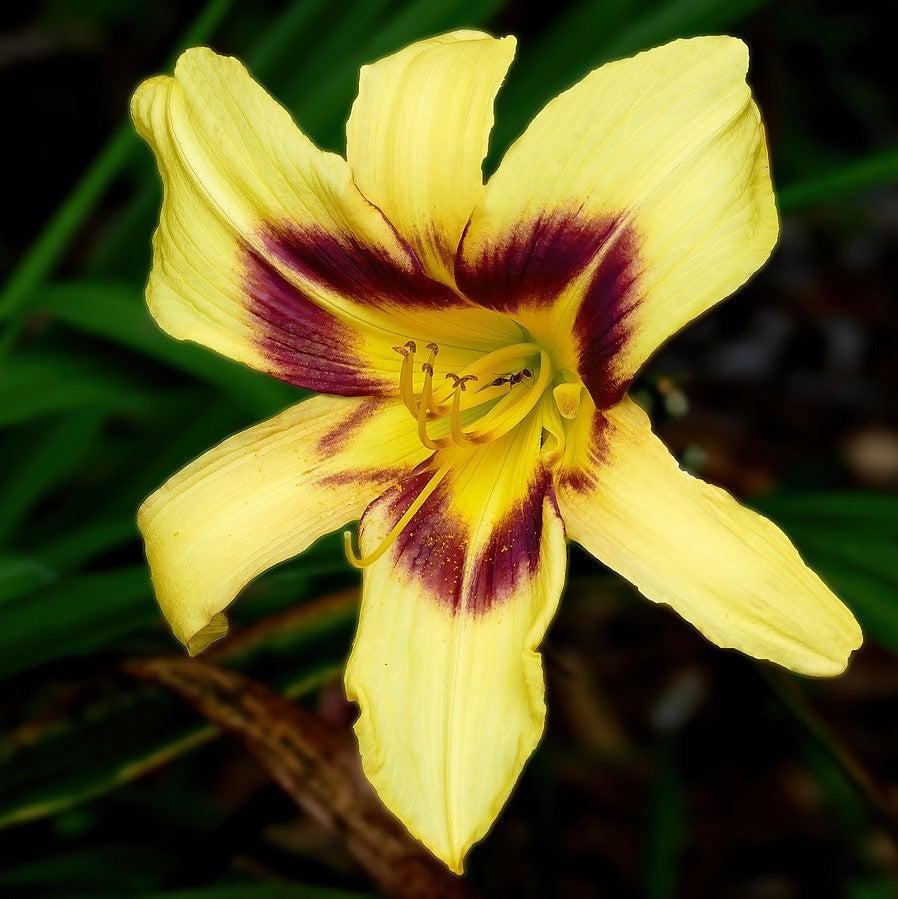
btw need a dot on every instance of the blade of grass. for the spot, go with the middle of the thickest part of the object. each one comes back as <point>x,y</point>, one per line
<point>36,385</point>
<point>666,822</point>
<point>790,692</point>
<point>679,18</point>
<point>857,508</point>
<point>20,575</point>
<point>73,616</point>
<point>368,34</point>
<point>72,549</point>
<point>877,170</point>
<point>105,870</point>
<point>258,890</point>
<point>52,458</point>
<point>124,247</point>
<point>102,611</point>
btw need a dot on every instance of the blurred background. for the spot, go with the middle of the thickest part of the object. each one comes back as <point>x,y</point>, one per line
<point>669,768</point>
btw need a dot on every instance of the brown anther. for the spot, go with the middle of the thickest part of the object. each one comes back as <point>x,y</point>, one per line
<point>427,368</point>
<point>403,351</point>
<point>411,345</point>
<point>433,348</point>
<point>458,382</point>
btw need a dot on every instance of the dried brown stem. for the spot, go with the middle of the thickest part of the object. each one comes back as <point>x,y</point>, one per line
<point>315,765</point>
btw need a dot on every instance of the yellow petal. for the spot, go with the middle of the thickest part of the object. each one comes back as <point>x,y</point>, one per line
<point>724,568</point>
<point>263,496</point>
<point>445,665</point>
<point>632,203</point>
<point>266,250</point>
<point>418,133</point>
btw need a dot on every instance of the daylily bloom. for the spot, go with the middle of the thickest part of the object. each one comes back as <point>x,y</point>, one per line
<point>473,344</point>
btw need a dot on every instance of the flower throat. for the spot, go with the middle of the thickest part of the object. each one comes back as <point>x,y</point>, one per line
<point>504,392</point>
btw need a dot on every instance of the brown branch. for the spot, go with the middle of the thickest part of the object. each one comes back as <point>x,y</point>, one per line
<point>315,765</point>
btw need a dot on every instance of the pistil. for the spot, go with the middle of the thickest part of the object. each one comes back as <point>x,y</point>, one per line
<point>364,561</point>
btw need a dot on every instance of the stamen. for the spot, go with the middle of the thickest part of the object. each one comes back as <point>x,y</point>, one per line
<point>567,398</point>
<point>431,405</point>
<point>423,407</point>
<point>460,382</point>
<point>405,376</point>
<point>364,561</point>
<point>459,437</point>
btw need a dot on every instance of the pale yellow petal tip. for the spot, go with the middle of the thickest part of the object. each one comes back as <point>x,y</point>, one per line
<point>215,630</point>
<point>142,101</point>
<point>451,850</point>
<point>831,662</point>
<point>723,43</point>
<point>200,56</point>
<point>836,660</point>
<point>469,34</point>
<point>854,639</point>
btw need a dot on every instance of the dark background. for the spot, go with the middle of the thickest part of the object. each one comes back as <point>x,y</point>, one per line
<point>670,768</point>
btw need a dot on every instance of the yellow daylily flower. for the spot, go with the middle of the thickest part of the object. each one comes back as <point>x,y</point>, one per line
<point>474,344</point>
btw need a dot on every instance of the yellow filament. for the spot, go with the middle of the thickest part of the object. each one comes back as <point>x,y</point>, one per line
<point>431,405</point>
<point>364,561</point>
<point>459,438</point>
<point>423,406</point>
<point>405,376</point>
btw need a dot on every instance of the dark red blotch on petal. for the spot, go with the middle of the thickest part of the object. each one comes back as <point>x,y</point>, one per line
<point>288,281</point>
<point>345,265</point>
<point>537,261</point>
<point>581,477</point>
<point>534,263</point>
<point>434,547</point>
<point>306,344</point>
<point>512,552</point>
<point>601,325</point>
<point>339,436</point>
